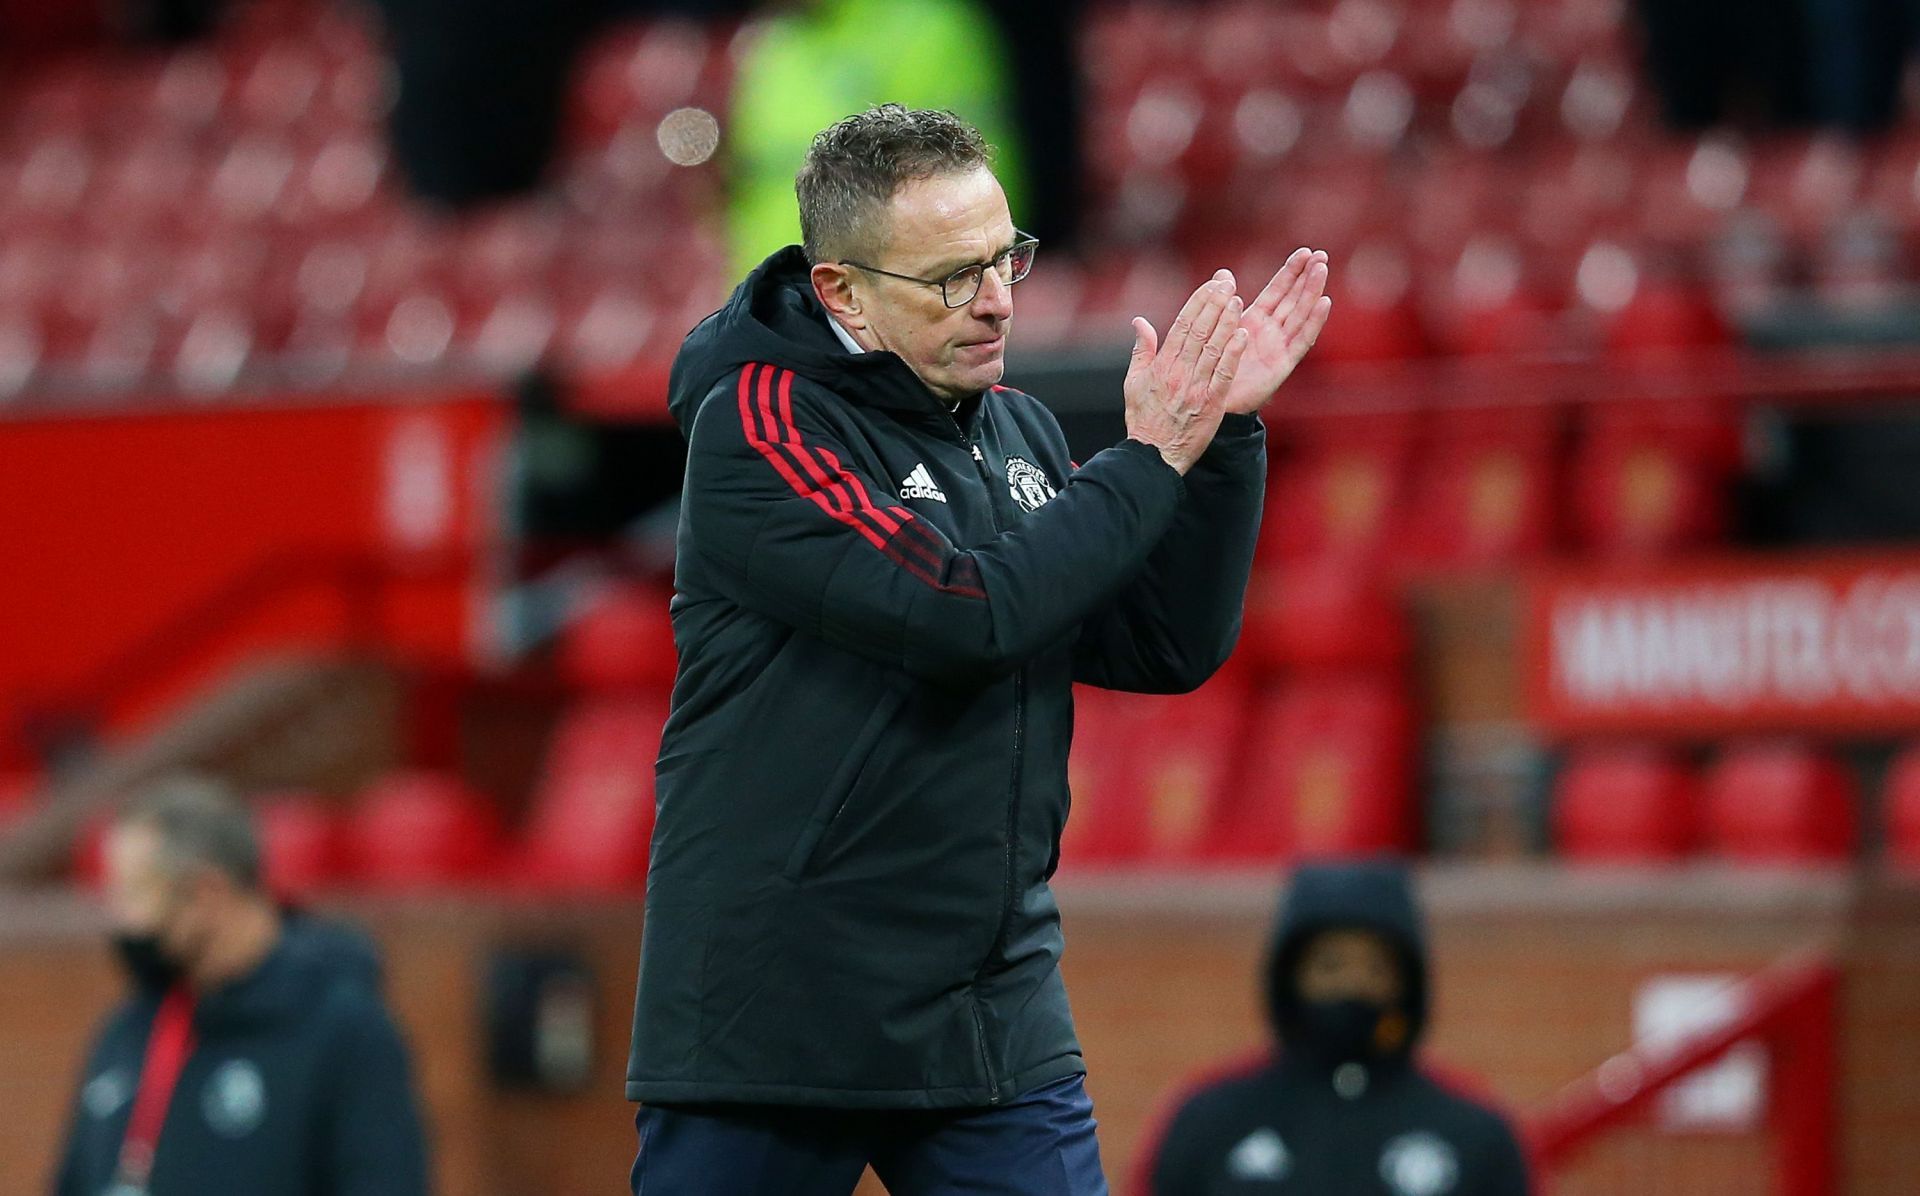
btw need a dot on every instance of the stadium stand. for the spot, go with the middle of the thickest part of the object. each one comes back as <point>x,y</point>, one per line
<point>1527,263</point>
<point>1492,181</point>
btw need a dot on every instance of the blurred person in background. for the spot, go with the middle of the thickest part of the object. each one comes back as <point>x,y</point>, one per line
<point>889,576</point>
<point>1344,1108</point>
<point>1832,64</point>
<point>813,61</point>
<point>254,1053</point>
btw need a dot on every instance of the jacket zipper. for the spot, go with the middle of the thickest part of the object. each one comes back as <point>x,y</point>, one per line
<point>1013,801</point>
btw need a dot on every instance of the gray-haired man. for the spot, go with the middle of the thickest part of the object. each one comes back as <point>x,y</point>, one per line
<point>254,1053</point>
<point>889,577</point>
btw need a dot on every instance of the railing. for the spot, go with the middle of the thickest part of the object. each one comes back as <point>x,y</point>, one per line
<point>1791,1010</point>
<point>358,582</point>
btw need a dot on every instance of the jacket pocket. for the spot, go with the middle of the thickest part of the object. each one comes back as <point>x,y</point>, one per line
<point>839,788</point>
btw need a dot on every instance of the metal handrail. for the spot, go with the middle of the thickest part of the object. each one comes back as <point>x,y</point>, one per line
<point>1791,1008</point>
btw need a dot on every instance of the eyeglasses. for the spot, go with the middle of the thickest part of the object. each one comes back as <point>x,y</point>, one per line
<point>959,288</point>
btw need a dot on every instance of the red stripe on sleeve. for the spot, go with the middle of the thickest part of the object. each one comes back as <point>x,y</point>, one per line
<point>855,494</point>
<point>786,471</point>
<point>832,487</point>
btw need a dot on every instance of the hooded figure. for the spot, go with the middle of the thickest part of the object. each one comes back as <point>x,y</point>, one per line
<point>1343,1107</point>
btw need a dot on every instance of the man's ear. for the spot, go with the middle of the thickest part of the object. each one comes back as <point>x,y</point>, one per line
<point>833,286</point>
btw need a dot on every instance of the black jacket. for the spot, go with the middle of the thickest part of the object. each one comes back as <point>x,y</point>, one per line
<point>1301,1124</point>
<point>298,1085</point>
<point>880,608</point>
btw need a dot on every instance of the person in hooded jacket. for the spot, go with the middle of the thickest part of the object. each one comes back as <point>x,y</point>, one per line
<point>254,1055</point>
<point>889,575</point>
<point>1344,1107</point>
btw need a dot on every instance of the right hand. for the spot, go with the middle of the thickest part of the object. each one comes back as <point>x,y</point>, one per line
<point>1176,393</point>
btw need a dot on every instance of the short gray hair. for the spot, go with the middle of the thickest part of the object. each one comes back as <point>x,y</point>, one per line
<point>201,824</point>
<point>855,165</point>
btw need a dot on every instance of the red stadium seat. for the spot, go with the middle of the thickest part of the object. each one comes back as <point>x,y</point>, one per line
<point>1377,320</point>
<point>1665,318</point>
<point>1333,613</point>
<point>592,812</point>
<point>1328,770</point>
<point>1624,804</point>
<point>1489,305</point>
<point>300,836</point>
<point>1900,800</point>
<point>1484,493</point>
<point>1145,771</point>
<point>1780,803</point>
<point>1650,480</point>
<point>622,640</point>
<point>1337,493</point>
<point>416,830</point>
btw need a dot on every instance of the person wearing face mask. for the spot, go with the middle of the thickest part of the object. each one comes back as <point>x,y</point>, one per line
<point>253,1053</point>
<point>1344,1107</point>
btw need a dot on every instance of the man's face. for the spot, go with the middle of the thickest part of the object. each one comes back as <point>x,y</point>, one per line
<point>145,898</point>
<point>1343,965</point>
<point>936,226</point>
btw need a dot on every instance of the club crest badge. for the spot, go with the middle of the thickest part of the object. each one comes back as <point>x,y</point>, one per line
<point>235,1099</point>
<point>106,1092</point>
<point>1028,484</point>
<point>1260,1157</point>
<point>1420,1164</point>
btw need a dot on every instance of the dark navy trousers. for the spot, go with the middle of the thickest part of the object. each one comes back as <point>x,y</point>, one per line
<point>1039,1144</point>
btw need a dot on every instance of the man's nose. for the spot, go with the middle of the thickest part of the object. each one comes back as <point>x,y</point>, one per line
<point>995,297</point>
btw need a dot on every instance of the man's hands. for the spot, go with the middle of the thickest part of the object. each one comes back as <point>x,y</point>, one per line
<point>1221,359</point>
<point>1281,325</point>
<point>1177,393</point>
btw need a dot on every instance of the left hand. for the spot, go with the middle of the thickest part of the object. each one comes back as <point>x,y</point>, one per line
<point>1281,325</point>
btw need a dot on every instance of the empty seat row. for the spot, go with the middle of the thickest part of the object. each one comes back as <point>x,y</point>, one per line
<point>1238,773</point>
<point>1410,491</point>
<point>585,830</point>
<point>1227,775</point>
<point>1782,802</point>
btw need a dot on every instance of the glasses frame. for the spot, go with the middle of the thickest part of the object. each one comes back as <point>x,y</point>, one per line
<point>1026,241</point>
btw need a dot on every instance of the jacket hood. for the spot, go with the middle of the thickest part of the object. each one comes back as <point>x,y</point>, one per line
<point>774,318</point>
<point>313,957</point>
<point>1369,895</point>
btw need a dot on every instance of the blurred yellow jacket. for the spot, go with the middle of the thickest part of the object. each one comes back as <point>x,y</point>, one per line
<point>810,67</point>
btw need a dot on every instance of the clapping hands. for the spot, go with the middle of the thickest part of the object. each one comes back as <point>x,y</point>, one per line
<point>1281,325</point>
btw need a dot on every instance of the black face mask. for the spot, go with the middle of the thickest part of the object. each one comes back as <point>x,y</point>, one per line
<point>1349,1030</point>
<point>146,962</point>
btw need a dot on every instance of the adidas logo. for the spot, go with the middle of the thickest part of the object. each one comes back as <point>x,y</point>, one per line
<point>920,484</point>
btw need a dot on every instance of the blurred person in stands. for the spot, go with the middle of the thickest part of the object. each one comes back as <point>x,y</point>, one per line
<point>1344,1107</point>
<point>1830,63</point>
<point>813,61</point>
<point>889,575</point>
<point>254,1053</point>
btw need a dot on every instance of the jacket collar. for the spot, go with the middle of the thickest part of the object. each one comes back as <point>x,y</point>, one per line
<point>774,317</point>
